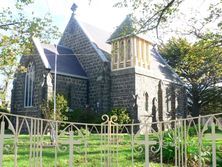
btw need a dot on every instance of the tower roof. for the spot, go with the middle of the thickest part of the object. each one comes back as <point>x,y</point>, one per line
<point>126,28</point>
<point>129,27</point>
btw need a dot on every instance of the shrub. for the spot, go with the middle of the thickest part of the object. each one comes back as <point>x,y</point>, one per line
<point>121,114</point>
<point>81,132</point>
<point>192,149</point>
<point>2,109</point>
<point>84,116</point>
<point>61,108</point>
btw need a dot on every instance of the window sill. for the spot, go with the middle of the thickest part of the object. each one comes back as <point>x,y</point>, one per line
<point>28,106</point>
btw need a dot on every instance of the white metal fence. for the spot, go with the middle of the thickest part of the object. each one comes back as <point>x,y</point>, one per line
<point>26,141</point>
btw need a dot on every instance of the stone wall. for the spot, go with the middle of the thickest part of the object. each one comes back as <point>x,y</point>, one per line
<point>96,68</point>
<point>168,98</point>
<point>73,89</point>
<point>123,90</point>
<point>17,101</point>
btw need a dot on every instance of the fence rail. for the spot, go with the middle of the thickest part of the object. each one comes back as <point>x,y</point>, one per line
<point>27,141</point>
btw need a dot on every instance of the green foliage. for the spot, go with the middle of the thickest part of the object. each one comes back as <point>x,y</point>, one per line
<point>168,147</point>
<point>3,109</point>
<point>61,108</point>
<point>191,148</point>
<point>86,116</point>
<point>200,66</point>
<point>121,114</point>
<point>17,29</point>
<point>81,132</point>
<point>174,50</point>
<point>152,13</point>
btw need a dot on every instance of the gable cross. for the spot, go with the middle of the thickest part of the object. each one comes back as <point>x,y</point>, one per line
<point>73,8</point>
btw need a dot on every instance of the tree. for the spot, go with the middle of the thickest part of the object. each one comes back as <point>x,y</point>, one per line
<point>200,66</point>
<point>198,63</point>
<point>17,30</point>
<point>152,14</point>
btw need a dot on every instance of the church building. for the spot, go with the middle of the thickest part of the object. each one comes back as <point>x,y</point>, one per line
<point>101,70</point>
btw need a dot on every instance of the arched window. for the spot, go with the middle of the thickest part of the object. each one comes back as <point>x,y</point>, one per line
<point>146,101</point>
<point>128,49</point>
<point>160,102</point>
<point>121,51</point>
<point>115,52</point>
<point>29,80</point>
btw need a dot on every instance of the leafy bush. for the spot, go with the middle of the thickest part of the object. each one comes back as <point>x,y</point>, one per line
<point>61,108</point>
<point>121,114</point>
<point>168,147</point>
<point>192,149</point>
<point>84,116</point>
<point>81,132</point>
<point>2,109</point>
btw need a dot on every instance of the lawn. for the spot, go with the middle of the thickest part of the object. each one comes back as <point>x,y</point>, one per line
<point>94,152</point>
<point>90,156</point>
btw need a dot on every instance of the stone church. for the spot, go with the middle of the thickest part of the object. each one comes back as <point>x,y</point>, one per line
<point>100,70</point>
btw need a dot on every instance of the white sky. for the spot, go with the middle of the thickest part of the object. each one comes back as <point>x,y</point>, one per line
<point>101,13</point>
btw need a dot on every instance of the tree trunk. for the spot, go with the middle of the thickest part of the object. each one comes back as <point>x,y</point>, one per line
<point>195,109</point>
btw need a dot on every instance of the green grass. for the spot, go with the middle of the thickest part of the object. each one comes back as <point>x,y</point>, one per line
<point>89,155</point>
<point>93,151</point>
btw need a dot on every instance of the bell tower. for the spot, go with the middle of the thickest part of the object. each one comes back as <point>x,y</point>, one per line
<point>131,53</point>
<point>128,48</point>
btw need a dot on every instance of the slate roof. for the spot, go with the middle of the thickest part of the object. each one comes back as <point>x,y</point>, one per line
<point>126,28</point>
<point>129,27</point>
<point>97,36</point>
<point>67,63</point>
<point>160,69</point>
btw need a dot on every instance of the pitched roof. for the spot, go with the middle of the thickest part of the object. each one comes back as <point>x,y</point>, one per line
<point>97,36</point>
<point>128,27</point>
<point>67,63</point>
<point>160,69</point>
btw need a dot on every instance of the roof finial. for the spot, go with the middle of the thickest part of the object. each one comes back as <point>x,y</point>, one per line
<point>73,8</point>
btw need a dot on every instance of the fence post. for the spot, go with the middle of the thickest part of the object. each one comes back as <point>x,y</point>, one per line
<point>199,140</point>
<point>213,143</point>
<point>2,140</point>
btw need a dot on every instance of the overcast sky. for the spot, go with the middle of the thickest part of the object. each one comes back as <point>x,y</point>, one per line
<point>101,13</point>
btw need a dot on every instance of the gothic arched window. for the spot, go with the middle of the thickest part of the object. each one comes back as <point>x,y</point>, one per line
<point>121,51</point>
<point>160,100</point>
<point>29,80</point>
<point>115,53</point>
<point>128,49</point>
<point>146,101</point>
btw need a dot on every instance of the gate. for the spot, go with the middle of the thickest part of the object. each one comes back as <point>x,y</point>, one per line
<point>27,141</point>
